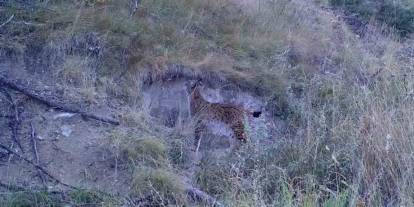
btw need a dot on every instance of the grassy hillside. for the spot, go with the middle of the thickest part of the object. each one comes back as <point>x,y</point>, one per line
<point>350,136</point>
<point>399,15</point>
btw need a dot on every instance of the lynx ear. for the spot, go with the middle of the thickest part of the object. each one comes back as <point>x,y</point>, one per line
<point>196,83</point>
<point>189,85</point>
<point>192,84</point>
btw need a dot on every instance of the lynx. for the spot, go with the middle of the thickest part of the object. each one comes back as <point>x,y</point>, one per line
<point>233,116</point>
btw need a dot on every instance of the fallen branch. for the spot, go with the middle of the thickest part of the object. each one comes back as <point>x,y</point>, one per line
<point>37,167</point>
<point>34,144</point>
<point>14,119</point>
<point>51,101</point>
<point>201,196</point>
<point>29,23</point>
<point>35,152</point>
<point>7,21</point>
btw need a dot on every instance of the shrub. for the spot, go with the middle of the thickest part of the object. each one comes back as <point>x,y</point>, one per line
<point>56,199</point>
<point>179,153</point>
<point>29,199</point>
<point>150,150</point>
<point>136,151</point>
<point>84,197</point>
<point>289,173</point>
<point>159,186</point>
<point>215,176</point>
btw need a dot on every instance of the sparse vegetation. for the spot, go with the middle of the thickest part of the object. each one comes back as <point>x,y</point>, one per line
<point>398,15</point>
<point>83,197</point>
<point>348,104</point>
<point>150,150</point>
<point>57,199</point>
<point>162,187</point>
<point>23,199</point>
<point>154,181</point>
<point>179,154</point>
<point>138,151</point>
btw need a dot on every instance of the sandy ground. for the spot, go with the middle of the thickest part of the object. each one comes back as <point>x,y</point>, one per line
<point>70,148</point>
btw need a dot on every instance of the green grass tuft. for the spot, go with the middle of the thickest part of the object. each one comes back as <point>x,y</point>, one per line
<point>162,186</point>
<point>29,199</point>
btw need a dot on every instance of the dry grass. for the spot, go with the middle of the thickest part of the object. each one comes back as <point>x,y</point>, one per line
<point>350,136</point>
<point>163,186</point>
<point>50,199</point>
<point>154,180</point>
<point>137,151</point>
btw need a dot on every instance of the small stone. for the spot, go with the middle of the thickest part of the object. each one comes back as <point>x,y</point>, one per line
<point>63,115</point>
<point>66,130</point>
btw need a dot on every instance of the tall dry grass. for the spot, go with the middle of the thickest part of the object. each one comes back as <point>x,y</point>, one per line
<point>350,99</point>
<point>351,135</point>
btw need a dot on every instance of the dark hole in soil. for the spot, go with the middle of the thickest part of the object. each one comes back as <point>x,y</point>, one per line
<point>257,114</point>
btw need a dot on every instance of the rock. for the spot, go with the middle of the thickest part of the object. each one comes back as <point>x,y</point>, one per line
<point>63,115</point>
<point>66,130</point>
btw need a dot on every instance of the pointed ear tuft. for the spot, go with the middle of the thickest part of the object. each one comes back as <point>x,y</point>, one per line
<point>189,86</point>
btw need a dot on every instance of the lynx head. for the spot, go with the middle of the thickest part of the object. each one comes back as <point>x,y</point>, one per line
<point>192,85</point>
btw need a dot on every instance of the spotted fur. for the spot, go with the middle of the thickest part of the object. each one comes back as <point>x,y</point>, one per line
<point>233,116</point>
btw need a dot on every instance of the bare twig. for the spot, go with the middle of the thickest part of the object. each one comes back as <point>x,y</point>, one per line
<point>29,23</point>
<point>15,120</point>
<point>37,167</point>
<point>158,194</point>
<point>51,101</point>
<point>33,138</point>
<point>7,21</point>
<point>36,154</point>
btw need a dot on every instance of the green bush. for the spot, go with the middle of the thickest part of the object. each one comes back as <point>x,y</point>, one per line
<point>84,197</point>
<point>29,199</point>
<point>57,199</point>
<point>179,154</point>
<point>159,186</point>
<point>151,151</point>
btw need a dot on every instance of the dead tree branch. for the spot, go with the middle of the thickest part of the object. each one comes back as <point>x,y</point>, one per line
<point>35,152</point>
<point>44,171</point>
<point>7,21</point>
<point>52,101</point>
<point>14,119</point>
<point>34,143</point>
